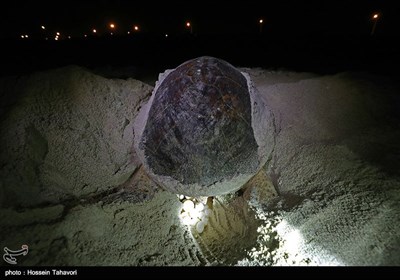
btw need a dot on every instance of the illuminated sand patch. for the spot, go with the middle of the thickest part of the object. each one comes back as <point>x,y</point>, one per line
<point>229,230</point>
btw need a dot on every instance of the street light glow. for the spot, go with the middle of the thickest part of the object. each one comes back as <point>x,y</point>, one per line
<point>58,33</point>
<point>94,31</point>
<point>261,21</point>
<point>375,20</point>
<point>136,28</point>
<point>43,27</point>
<point>189,25</point>
<point>112,25</point>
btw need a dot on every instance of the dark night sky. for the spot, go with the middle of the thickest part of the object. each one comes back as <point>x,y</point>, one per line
<point>281,16</point>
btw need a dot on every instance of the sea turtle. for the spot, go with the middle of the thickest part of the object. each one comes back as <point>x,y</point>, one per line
<point>205,130</point>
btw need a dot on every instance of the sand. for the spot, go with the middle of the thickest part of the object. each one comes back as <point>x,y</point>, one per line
<point>72,188</point>
<point>67,135</point>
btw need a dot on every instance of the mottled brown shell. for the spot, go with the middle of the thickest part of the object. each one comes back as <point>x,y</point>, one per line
<point>198,130</point>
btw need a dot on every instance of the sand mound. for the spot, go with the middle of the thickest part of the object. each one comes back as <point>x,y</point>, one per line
<point>68,134</point>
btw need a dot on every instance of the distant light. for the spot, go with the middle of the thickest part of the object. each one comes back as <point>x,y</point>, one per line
<point>94,31</point>
<point>58,33</point>
<point>56,38</point>
<point>69,37</point>
<point>136,28</point>
<point>112,33</point>
<point>129,32</point>
<point>22,36</point>
<point>47,38</point>
<point>85,35</point>
<point>26,36</point>
<point>375,20</point>
<point>166,35</point>
<point>43,27</point>
<point>261,24</point>
<point>189,25</point>
<point>112,25</point>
